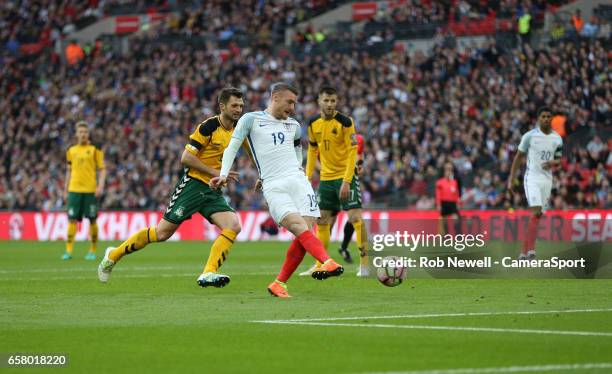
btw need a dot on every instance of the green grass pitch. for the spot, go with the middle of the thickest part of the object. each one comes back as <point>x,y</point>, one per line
<point>152,317</point>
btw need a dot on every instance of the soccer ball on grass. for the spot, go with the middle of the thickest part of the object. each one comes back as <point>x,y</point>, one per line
<point>392,273</point>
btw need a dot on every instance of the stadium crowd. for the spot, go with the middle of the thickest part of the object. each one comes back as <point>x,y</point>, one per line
<point>46,21</point>
<point>25,22</point>
<point>417,12</point>
<point>415,112</point>
<point>226,19</point>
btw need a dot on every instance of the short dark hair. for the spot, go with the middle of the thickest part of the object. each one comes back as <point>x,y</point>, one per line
<point>544,109</point>
<point>282,86</point>
<point>329,90</point>
<point>228,92</point>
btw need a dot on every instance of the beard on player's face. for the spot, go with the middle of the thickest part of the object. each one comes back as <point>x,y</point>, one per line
<point>234,114</point>
<point>329,111</point>
<point>229,117</point>
<point>232,110</point>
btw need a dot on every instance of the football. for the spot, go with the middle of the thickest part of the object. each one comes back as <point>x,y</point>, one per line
<point>392,273</point>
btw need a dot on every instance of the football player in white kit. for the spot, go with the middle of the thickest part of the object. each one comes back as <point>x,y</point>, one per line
<point>273,139</point>
<point>543,148</point>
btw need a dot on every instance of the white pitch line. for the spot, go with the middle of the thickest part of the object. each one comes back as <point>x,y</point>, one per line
<point>121,275</point>
<point>130,268</point>
<point>507,369</point>
<point>449,328</point>
<point>438,315</point>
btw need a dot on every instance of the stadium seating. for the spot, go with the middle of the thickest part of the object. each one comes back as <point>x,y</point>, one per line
<point>26,24</point>
<point>416,112</point>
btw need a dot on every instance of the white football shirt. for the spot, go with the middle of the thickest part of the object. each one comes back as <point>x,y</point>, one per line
<point>540,148</point>
<point>274,144</point>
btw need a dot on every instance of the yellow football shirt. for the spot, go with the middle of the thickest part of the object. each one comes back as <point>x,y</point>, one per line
<point>207,143</point>
<point>84,161</point>
<point>336,141</point>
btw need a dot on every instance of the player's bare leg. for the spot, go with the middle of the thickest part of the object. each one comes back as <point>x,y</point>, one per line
<point>355,217</point>
<point>228,223</point>
<point>324,225</point>
<point>528,251</point>
<point>162,232</point>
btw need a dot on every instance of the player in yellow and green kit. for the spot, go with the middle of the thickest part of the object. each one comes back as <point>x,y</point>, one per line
<point>332,135</point>
<point>192,194</point>
<point>82,189</point>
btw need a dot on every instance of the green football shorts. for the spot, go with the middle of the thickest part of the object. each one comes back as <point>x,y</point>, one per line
<point>82,205</point>
<point>194,196</point>
<point>328,195</point>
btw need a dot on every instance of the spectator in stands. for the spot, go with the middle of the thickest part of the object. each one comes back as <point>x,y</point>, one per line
<point>557,32</point>
<point>558,124</point>
<point>595,147</point>
<point>590,28</point>
<point>604,30</point>
<point>417,112</point>
<point>74,53</point>
<point>524,26</point>
<point>577,21</point>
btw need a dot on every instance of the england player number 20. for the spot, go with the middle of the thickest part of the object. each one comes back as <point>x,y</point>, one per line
<point>545,155</point>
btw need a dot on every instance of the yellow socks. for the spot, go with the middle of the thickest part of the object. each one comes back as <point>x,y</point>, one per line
<point>220,250</point>
<point>323,233</point>
<point>72,229</point>
<point>134,243</point>
<point>362,241</point>
<point>93,233</point>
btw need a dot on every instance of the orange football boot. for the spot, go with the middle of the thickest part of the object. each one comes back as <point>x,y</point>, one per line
<point>329,269</point>
<point>278,289</point>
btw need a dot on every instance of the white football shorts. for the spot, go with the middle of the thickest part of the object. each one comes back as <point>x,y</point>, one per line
<point>292,194</point>
<point>538,192</point>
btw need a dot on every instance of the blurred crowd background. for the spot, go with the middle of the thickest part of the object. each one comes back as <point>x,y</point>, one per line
<point>467,104</point>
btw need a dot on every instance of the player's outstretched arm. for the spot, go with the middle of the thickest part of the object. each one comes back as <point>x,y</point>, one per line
<point>191,161</point>
<point>243,128</point>
<point>229,155</point>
